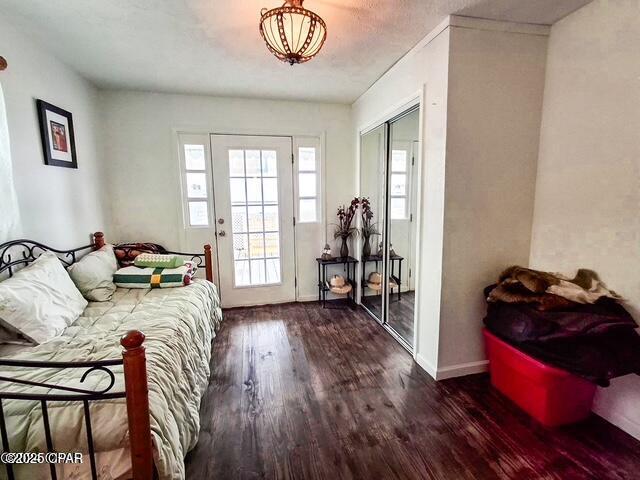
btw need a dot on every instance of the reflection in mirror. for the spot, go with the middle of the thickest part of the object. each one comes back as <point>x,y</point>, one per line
<point>403,140</point>
<point>371,188</point>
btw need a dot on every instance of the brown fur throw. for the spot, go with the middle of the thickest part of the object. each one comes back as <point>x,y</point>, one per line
<point>533,280</point>
<point>549,290</point>
<point>126,253</point>
<point>513,292</point>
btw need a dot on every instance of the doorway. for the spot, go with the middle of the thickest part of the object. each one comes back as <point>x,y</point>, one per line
<point>253,188</point>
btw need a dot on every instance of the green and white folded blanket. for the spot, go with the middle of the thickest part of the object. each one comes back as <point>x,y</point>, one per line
<point>158,277</point>
<point>158,260</point>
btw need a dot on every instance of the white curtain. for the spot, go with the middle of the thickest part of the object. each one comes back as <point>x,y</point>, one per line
<point>9,213</point>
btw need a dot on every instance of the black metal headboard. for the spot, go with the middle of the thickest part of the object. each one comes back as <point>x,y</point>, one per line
<point>17,254</point>
<point>20,253</point>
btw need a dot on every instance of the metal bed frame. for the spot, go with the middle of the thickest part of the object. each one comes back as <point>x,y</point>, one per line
<point>20,253</point>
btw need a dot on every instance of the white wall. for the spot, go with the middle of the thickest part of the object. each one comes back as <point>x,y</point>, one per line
<point>480,129</point>
<point>496,83</point>
<point>58,206</point>
<point>140,149</point>
<point>587,210</point>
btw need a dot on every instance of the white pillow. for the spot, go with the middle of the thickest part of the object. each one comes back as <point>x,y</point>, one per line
<point>93,274</point>
<point>40,300</point>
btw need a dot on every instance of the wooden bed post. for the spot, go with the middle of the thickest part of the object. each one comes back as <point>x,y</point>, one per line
<point>208,262</point>
<point>98,240</point>
<point>135,379</point>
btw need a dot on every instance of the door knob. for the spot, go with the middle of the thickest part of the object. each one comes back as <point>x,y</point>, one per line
<point>222,233</point>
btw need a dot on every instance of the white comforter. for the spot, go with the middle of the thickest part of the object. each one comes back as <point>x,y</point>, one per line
<point>179,324</point>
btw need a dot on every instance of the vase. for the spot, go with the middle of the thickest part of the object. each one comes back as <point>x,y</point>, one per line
<point>344,248</point>
<point>366,248</point>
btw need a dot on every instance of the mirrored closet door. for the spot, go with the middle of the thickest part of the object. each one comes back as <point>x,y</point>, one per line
<point>389,181</point>
<point>372,155</point>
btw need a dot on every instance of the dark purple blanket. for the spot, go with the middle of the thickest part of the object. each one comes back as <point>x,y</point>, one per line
<point>597,342</point>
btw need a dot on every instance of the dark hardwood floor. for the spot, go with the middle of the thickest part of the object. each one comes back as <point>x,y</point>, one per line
<point>400,312</point>
<point>301,392</point>
<point>401,315</point>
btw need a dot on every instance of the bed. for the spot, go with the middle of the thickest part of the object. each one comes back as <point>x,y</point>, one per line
<point>81,393</point>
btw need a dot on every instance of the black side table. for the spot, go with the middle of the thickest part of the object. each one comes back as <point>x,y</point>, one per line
<point>348,263</point>
<point>377,259</point>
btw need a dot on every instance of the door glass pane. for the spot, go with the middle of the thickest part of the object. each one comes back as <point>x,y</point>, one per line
<point>256,245</point>
<point>270,190</point>
<point>236,163</point>
<point>239,219</point>
<point>398,208</point>
<point>269,163</point>
<point>272,245</point>
<point>243,276</point>
<point>255,211</point>
<point>399,161</point>
<point>307,184</point>
<point>253,163</point>
<point>198,214</point>
<point>307,210</point>
<point>257,272</point>
<point>196,185</point>
<point>255,219</point>
<point>240,247</point>
<point>254,190</point>
<point>236,189</point>
<point>273,270</point>
<point>398,184</point>
<point>271,222</point>
<point>194,157</point>
<point>307,159</point>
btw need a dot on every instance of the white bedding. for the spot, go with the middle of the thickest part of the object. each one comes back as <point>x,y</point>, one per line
<point>179,324</point>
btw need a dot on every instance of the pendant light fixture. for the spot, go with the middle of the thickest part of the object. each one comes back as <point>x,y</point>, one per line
<point>292,33</point>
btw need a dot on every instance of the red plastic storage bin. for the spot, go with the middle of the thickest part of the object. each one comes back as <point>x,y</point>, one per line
<point>550,395</point>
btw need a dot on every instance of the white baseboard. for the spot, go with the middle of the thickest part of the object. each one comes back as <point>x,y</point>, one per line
<point>249,303</point>
<point>452,371</point>
<point>621,421</point>
<point>307,298</point>
<point>618,404</point>
<point>426,366</point>
<point>462,369</point>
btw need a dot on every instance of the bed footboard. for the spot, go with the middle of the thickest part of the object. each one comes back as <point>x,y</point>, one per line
<point>136,394</point>
<point>137,390</point>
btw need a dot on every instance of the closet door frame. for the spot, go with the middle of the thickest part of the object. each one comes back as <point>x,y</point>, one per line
<point>405,107</point>
<point>386,171</point>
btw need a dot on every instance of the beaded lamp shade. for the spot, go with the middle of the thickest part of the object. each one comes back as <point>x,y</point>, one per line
<point>292,33</point>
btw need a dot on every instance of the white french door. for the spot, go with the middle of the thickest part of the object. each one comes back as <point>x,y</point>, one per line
<point>253,191</point>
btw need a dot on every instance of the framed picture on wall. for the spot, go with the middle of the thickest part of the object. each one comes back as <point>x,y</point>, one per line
<point>56,133</point>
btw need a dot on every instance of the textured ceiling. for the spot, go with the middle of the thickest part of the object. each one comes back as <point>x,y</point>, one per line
<point>214,47</point>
